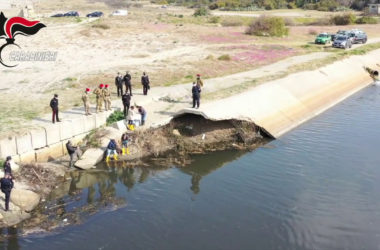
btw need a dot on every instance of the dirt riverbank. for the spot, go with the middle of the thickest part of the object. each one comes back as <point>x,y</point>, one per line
<point>172,144</point>
<point>185,135</point>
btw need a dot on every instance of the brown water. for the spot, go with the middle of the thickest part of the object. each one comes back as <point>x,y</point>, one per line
<point>317,187</point>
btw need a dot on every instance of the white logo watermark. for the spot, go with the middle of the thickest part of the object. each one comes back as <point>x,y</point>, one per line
<point>33,56</point>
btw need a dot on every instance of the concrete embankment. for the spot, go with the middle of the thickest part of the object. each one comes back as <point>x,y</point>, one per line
<point>48,142</point>
<point>281,105</point>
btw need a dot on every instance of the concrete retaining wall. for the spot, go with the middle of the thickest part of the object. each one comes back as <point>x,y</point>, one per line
<point>283,104</point>
<point>48,143</point>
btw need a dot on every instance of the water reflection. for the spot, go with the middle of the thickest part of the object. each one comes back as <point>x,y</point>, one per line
<point>203,166</point>
<point>318,188</point>
<point>106,188</point>
<point>9,238</point>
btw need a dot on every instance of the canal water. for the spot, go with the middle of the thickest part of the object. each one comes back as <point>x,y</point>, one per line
<point>317,187</point>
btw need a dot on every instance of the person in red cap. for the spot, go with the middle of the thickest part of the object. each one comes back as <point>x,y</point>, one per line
<point>99,98</point>
<point>199,81</point>
<point>86,101</point>
<point>107,98</point>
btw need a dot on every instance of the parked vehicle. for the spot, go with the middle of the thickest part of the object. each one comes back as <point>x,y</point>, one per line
<point>323,38</point>
<point>342,42</point>
<point>358,36</point>
<point>342,32</point>
<point>71,13</point>
<point>345,33</point>
<point>120,13</point>
<point>95,14</point>
<point>57,15</point>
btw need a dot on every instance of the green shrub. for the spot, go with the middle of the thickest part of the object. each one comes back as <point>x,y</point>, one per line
<point>180,16</point>
<point>367,20</point>
<point>213,6</point>
<point>225,57</point>
<point>291,5</point>
<point>1,163</point>
<point>268,26</point>
<point>327,5</point>
<point>229,4</point>
<point>202,11</point>
<point>344,19</point>
<point>310,6</point>
<point>358,5</point>
<point>323,5</point>
<point>115,117</point>
<point>214,19</point>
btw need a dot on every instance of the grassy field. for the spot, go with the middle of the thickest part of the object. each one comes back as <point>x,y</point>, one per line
<point>292,69</point>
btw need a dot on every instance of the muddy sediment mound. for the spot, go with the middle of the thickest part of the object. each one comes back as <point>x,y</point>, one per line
<point>193,134</point>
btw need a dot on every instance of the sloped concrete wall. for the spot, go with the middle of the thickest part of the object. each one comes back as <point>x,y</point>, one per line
<point>38,138</point>
<point>48,143</point>
<point>24,143</point>
<point>8,147</point>
<point>283,104</point>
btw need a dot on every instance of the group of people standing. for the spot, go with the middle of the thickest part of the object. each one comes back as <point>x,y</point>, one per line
<point>127,81</point>
<point>103,96</point>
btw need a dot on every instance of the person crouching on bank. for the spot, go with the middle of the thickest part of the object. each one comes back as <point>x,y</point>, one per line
<point>111,150</point>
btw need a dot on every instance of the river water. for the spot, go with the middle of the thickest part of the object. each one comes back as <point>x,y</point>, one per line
<point>317,187</point>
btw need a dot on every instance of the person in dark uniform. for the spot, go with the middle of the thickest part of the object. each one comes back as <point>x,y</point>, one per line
<point>142,112</point>
<point>54,108</point>
<point>126,99</point>
<point>119,84</point>
<point>196,94</point>
<point>72,151</point>
<point>128,84</point>
<point>7,165</point>
<point>145,82</point>
<point>6,187</point>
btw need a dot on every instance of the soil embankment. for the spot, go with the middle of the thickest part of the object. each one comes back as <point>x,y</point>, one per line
<point>183,136</point>
<point>32,184</point>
